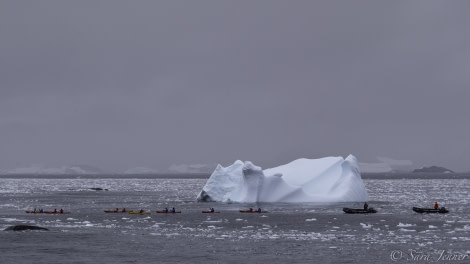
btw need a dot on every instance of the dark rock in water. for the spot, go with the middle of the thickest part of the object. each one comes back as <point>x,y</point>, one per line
<point>434,169</point>
<point>24,227</point>
<point>98,189</point>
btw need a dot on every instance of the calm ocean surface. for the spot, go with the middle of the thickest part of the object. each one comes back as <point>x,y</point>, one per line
<point>294,233</point>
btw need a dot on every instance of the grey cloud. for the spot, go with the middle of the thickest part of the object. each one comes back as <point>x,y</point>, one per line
<point>123,84</point>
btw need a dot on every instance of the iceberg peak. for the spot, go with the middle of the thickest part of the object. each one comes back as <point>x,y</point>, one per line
<point>329,179</point>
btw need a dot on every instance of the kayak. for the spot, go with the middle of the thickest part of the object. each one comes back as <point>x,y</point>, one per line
<point>114,211</point>
<point>46,212</point>
<point>210,212</point>
<point>169,212</point>
<point>441,210</point>
<point>252,211</point>
<point>359,211</point>
<point>139,213</point>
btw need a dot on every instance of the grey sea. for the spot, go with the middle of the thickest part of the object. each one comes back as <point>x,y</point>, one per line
<point>287,233</point>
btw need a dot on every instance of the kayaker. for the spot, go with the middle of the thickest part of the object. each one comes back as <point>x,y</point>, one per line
<point>61,211</point>
<point>123,209</point>
<point>55,211</point>
<point>259,210</point>
<point>173,210</point>
<point>166,210</point>
<point>141,211</point>
<point>366,206</point>
<point>117,210</point>
<point>436,205</point>
<point>41,211</point>
<point>251,209</point>
<point>212,209</point>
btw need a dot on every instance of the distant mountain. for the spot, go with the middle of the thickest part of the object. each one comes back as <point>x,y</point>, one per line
<point>41,169</point>
<point>140,170</point>
<point>433,169</point>
<point>386,165</point>
<point>193,168</point>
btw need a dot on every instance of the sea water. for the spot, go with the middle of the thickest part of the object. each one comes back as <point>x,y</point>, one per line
<point>294,233</point>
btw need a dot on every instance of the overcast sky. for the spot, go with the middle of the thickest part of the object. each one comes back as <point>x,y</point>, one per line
<point>121,84</point>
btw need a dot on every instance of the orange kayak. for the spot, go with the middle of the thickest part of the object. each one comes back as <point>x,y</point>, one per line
<point>252,211</point>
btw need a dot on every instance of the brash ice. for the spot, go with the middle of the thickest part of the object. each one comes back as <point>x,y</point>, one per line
<point>329,179</point>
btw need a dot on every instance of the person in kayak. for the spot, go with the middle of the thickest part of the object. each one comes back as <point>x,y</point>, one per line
<point>212,209</point>
<point>141,211</point>
<point>251,209</point>
<point>123,209</point>
<point>366,206</point>
<point>173,210</point>
<point>166,210</point>
<point>436,205</point>
<point>61,211</point>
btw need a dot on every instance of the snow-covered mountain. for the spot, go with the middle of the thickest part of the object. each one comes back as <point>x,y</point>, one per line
<point>385,165</point>
<point>192,168</point>
<point>41,169</point>
<point>140,170</point>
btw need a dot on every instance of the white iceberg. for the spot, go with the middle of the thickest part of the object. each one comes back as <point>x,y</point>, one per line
<point>330,179</point>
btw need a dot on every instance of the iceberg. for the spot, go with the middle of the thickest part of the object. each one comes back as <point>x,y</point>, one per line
<point>324,180</point>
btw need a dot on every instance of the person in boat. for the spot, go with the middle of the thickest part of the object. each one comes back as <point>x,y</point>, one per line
<point>41,211</point>
<point>173,210</point>
<point>61,211</point>
<point>55,211</point>
<point>366,206</point>
<point>212,209</point>
<point>116,210</point>
<point>251,209</point>
<point>259,210</point>
<point>166,210</point>
<point>141,211</point>
<point>35,210</point>
<point>436,205</point>
<point>123,209</point>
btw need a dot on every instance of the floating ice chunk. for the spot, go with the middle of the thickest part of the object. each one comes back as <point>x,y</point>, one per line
<point>405,225</point>
<point>407,230</point>
<point>330,179</point>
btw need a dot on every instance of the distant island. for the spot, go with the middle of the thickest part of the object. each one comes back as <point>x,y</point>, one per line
<point>433,169</point>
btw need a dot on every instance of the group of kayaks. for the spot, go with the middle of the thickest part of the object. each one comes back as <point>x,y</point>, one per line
<point>40,211</point>
<point>173,211</point>
<point>143,212</point>
<point>366,210</point>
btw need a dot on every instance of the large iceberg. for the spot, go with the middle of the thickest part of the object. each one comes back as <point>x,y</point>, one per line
<point>329,179</point>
